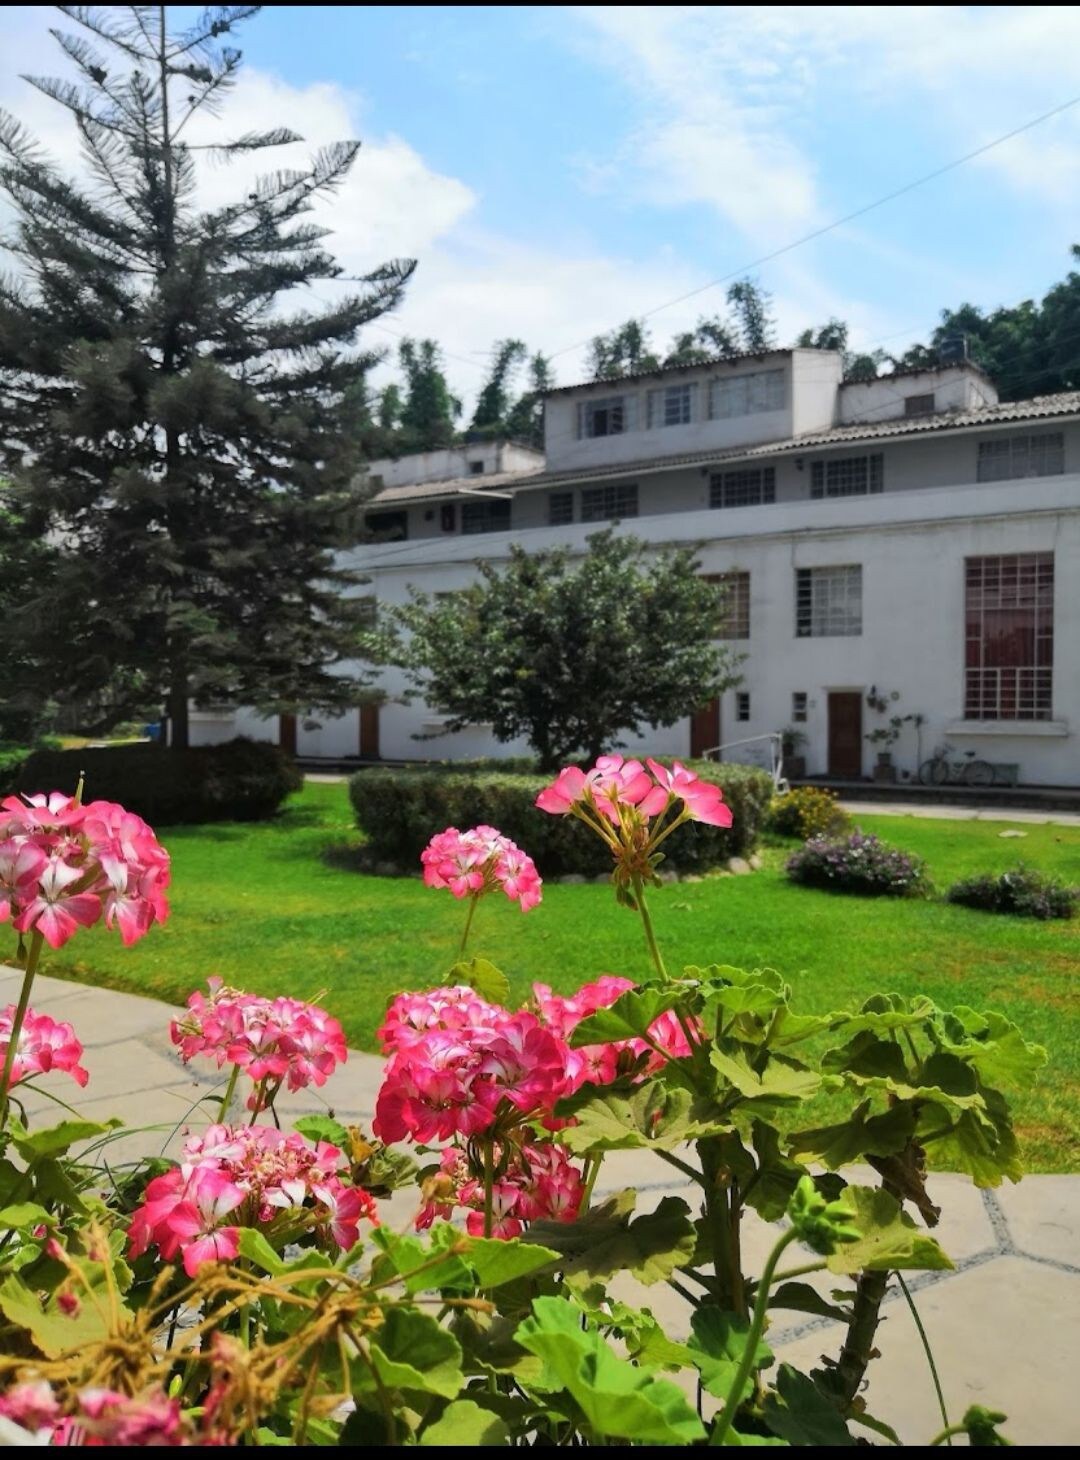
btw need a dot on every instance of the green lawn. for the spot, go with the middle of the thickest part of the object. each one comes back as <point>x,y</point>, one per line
<point>264,907</point>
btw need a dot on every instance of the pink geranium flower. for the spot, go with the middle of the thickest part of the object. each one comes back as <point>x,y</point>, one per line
<point>56,909</point>
<point>471,863</point>
<point>44,1044</point>
<point>702,800</point>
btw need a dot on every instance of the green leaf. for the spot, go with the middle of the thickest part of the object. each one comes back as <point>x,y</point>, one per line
<point>606,1241</point>
<point>769,1191</point>
<point>58,1138</point>
<point>416,1263</point>
<point>993,1045</point>
<point>860,1135</point>
<point>889,1240</point>
<point>496,1262</point>
<point>617,1399</point>
<point>980,1142</point>
<point>802,1298</point>
<point>53,1331</point>
<point>716,1346</point>
<point>629,1017</point>
<point>653,1117</point>
<point>464,1423</point>
<point>783,1081</point>
<point>26,1214</point>
<point>488,981</point>
<point>254,1246</point>
<point>413,1351</point>
<point>323,1128</point>
<point>740,991</point>
<point>53,1184</point>
<point>800,1414</point>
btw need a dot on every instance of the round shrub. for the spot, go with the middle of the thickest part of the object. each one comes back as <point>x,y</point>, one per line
<point>860,864</point>
<point>242,780</point>
<point>806,812</point>
<point>1024,892</point>
<point>397,810</point>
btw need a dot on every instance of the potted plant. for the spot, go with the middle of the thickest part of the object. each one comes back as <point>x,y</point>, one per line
<point>883,737</point>
<point>794,763</point>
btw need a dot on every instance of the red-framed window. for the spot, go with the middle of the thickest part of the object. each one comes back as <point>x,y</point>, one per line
<point>1009,633</point>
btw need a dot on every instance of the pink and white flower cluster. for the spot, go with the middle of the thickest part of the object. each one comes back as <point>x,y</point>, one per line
<point>44,1044</point>
<point>104,1417</point>
<point>480,860</point>
<point>63,865</point>
<point>278,1040</point>
<point>538,1181</point>
<point>245,1176</point>
<point>615,786</point>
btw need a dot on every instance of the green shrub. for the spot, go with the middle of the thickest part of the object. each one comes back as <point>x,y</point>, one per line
<point>400,811</point>
<point>806,812</point>
<point>243,780</point>
<point>861,864</point>
<point>1023,892</point>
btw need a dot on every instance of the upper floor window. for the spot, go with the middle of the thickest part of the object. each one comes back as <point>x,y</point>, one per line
<point>493,516</point>
<point>919,405</point>
<point>388,526</point>
<point>607,417</point>
<point>1009,637</point>
<point>1003,458</point>
<point>605,504</point>
<point>476,468</point>
<point>847,476</point>
<point>746,395</point>
<point>672,406</point>
<point>747,487</point>
<point>828,602</point>
<point>734,620</point>
<point>560,508</point>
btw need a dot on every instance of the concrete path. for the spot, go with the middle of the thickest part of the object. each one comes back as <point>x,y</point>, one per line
<point>1004,1325</point>
<point>958,813</point>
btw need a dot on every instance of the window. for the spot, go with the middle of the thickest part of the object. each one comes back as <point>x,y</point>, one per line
<point>560,508</point>
<point>828,602</point>
<point>672,406</point>
<point>847,476</point>
<point>448,517</point>
<point>493,516</point>
<point>746,395</point>
<point>607,417</point>
<point>742,704</point>
<point>605,504</point>
<point>798,707</point>
<point>748,487</point>
<point>388,526</point>
<point>1003,458</point>
<point>734,620</point>
<point>476,468</point>
<point>1009,633</point>
<point>919,405</point>
<point>366,612</point>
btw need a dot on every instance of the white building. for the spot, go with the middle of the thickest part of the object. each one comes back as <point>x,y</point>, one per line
<point>908,539</point>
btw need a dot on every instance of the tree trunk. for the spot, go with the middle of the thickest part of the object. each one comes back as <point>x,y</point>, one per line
<point>178,712</point>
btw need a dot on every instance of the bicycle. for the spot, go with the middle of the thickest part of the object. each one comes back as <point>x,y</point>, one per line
<point>939,770</point>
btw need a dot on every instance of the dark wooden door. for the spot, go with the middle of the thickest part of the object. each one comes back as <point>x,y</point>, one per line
<point>845,734</point>
<point>705,728</point>
<point>369,732</point>
<point>287,733</point>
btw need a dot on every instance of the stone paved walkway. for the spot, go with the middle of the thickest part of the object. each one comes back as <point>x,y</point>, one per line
<point>1004,1325</point>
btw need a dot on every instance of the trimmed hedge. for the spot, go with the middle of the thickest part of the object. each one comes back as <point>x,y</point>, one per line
<point>400,811</point>
<point>242,780</point>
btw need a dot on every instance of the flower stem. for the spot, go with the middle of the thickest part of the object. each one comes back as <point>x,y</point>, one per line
<point>753,1338</point>
<point>230,1089</point>
<point>489,1182</point>
<point>33,954</point>
<point>924,1340</point>
<point>473,900</point>
<point>646,921</point>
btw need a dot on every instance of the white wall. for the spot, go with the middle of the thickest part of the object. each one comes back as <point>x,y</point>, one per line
<point>954,388</point>
<point>449,463</point>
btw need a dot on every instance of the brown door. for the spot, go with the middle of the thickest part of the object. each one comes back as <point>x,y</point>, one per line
<point>705,729</point>
<point>287,733</point>
<point>369,732</point>
<point>845,735</point>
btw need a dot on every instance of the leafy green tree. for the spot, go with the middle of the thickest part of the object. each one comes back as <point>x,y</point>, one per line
<point>626,350</point>
<point>493,403</point>
<point>430,409</point>
<point>751,306</point>
<point>568,654</point>
<point>833,335</point>
<point>166,419</point>
<point>525,421</point>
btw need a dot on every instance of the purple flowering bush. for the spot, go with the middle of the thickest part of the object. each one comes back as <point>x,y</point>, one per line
<point>861,864</point>
<point>1023,892</point>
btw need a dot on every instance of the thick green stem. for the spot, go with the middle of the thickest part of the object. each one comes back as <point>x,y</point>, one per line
<point>858,1346</point>
<point>753,1338</point>
<point>646,921</point>
<point>230,1090</point>
<point>592,1171</point>
<point>489,1182</point>
<point>473,900</point>
<point>33,954</point>
<point>730,1291</point>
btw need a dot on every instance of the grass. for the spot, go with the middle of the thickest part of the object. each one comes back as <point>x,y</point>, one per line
<point>276,908</point>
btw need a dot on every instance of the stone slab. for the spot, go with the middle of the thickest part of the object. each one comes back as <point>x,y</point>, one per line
<point>1042,1215</point>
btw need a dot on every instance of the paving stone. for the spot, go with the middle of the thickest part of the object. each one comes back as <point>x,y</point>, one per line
<point>1042,1214</point>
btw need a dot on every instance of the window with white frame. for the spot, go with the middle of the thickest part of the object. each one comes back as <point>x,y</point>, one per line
<point>847,476</point>
<point>606,504</point>
<point>1009,637</point>
<point>672,405</point>
<point>1004,458</point>
<point>798,706</point>
<point>742,704</point>
<point>828,602</point>
<point>746,395</point>
<point>734,619</point>
<point>560,508</point>
<point>749,486</point>
<point>609,416</point>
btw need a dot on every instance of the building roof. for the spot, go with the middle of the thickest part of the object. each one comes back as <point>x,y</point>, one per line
<point>1045,407</point>
<point>681,369</point>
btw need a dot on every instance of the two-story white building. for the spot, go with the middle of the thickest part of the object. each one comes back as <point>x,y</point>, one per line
<point>907,540</point>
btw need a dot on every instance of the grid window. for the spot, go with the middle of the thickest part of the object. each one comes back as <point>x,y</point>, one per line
<point>828,602</point>
<point>606,504</point>
<point>798,707</point>
<point>1004,458</point>
<point>476,468</point>
<point>734,620</point>
<point>560,508</point>
<point>493,516</point>
<point>742,704</point>
<point>919,405</point>
<point>748,487</point>
<point>746,395</point>
<point>672,406</point>
<point>1009,637</point>
<point>607,417</point>
<point>388,526</point>
<point>847,476</point>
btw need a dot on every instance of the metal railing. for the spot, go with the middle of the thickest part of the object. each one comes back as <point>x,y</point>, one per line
<point>776,757</point>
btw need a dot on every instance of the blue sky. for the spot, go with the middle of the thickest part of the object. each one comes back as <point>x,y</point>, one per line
<point>558,169</point>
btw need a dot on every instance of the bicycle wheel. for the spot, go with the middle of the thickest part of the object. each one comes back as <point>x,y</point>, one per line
<point>934,772</point>
<point>979,773</point>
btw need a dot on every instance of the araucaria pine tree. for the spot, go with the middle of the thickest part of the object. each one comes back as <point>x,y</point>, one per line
<point>168,419</point>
